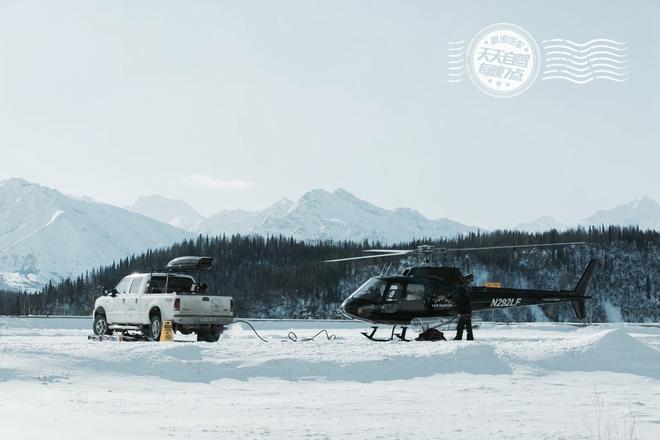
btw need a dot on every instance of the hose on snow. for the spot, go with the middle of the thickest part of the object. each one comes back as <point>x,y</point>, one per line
<point>292,336</point>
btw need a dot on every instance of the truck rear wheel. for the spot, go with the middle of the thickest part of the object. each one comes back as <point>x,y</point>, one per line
<point>155,327</point>
<point>211,335</point>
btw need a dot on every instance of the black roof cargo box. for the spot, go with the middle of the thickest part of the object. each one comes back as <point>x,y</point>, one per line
<point>183,264</point>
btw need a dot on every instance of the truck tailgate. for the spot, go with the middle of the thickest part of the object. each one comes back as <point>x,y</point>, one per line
<point>204,305</point>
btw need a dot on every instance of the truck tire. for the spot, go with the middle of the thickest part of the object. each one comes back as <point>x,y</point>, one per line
<point>100,326</point>
<point>155,327</point>
<point>211,335</point>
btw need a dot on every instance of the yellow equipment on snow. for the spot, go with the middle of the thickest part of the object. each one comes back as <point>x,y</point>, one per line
<point>167,332</point>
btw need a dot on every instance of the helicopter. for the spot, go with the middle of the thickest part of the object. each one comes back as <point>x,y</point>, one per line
<point>422,295</point>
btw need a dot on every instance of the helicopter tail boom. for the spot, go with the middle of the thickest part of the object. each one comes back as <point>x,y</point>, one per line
<point>581,289</point>
<point>487,298</point>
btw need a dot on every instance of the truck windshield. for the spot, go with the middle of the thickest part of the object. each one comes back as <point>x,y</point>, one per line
<point>174,284</point>
<point>372,290</point>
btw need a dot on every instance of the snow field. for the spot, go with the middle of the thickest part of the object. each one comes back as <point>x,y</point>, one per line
<point>534,381</point>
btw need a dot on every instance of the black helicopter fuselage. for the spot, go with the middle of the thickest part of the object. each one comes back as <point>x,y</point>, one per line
<point>433,292</point>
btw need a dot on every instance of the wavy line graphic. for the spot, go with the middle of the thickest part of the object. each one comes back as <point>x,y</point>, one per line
<point>586,63</point>
<point>588,55</point>
<point>610,67</point>
<point>580,63</point>
<point>456,61</point>
<point>585,81</point>
<point>590,42</point>
<point>586,50</point>
<point>585,75</point>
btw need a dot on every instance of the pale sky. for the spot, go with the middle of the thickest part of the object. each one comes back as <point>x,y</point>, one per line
<point>230,104</point>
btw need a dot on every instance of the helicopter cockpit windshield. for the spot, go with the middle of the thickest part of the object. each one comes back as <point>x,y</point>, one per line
<point>371,290</point>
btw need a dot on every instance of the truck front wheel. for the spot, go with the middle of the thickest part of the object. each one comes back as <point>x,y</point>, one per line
<point>211,335</point>
<point>101,325</point>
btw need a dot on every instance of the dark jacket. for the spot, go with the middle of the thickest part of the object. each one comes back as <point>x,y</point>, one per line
<point>464,302</point>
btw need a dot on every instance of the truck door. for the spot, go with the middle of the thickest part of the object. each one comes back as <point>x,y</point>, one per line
<point>114,307</point>
<point>154,290</point>
<point>131,300</point>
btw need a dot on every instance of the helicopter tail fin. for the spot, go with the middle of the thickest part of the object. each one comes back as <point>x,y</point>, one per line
<point>581,289</point>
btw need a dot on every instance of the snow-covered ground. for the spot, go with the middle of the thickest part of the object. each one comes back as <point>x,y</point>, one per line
<point>536,381</point>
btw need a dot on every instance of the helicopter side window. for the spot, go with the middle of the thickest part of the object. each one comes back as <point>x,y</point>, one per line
<point>371,290</point>
<point>415,292</point>
<point>394,292</point>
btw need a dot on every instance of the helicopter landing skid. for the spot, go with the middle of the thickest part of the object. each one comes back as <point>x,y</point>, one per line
<point>401,336</point>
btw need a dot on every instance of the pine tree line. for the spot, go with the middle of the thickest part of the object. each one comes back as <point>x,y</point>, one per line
<point>283,277</point>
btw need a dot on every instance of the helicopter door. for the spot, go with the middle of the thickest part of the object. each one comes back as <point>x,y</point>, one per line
<point>392,298</point>
<point>414,298</point>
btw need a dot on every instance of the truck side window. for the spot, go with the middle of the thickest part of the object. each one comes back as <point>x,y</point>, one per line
<point>175,283</point>
<point>135,285</point>
<point>122,286</point>
<point>179,284</point>
<point>156,285</point>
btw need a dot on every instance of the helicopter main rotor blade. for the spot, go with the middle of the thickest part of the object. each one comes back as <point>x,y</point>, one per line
<point>390,251</point>
<point>514,246</point>
<point>364,257</point>
<point>426,251</point>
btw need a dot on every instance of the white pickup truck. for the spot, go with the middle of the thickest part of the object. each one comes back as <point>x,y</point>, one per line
<point>142,301</point>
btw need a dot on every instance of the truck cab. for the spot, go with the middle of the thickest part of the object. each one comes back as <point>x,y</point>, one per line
<point>143,301</point>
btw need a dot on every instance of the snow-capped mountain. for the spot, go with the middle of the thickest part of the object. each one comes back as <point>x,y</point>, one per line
<point>240,221</point>
<point>643,212</point>
<point>320,215</point>
<point>174,212</point>
<point>540,224</point>
<point>46,235</point>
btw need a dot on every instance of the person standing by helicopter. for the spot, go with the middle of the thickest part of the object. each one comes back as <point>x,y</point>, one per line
<point>464,308</point>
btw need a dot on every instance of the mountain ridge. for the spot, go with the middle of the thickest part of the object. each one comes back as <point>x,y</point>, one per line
<point>177,213</point>
<point>339,215</point>
<point>46,235</point>
<point>643,212</point>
